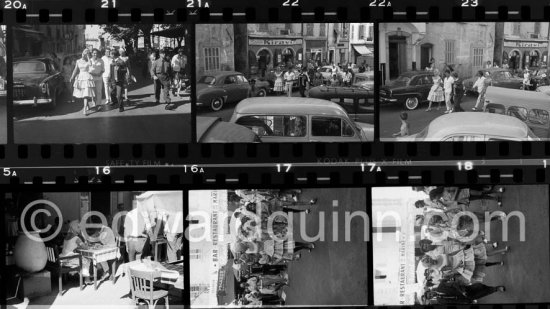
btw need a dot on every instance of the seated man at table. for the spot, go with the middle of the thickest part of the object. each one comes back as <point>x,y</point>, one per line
<point>136,235</point>
<point>73,241</point>
<point>103,238</point>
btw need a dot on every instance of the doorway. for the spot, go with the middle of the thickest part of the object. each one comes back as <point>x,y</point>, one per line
<point>397,55</point>
<point>425,55</point>
<point>101,201</point>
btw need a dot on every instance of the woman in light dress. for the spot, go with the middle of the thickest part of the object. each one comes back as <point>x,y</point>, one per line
<point>97,67</point>
<point>279,83</point>
<point>83,81</point>
<point>436,92</point>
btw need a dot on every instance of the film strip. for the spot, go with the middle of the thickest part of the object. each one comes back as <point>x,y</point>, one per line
<point>230,133</point>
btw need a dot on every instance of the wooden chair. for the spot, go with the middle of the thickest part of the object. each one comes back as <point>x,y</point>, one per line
<point>141,284</point>
<point>55,264</point>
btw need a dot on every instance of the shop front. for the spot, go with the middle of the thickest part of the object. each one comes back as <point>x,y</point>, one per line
<point>267,53</point>
<point>521,54</point>
<point>316,50</point>
<point>362,53</point>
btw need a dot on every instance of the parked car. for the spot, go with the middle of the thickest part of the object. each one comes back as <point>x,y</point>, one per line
<point>531,107</point>
<point>410,89</point>
<point>473,126</point>
<point>261,87</point>
<point>37,81</point>
<point>357,99</point>
<point>499,78</point>
<point>214,130</point>
<point>540,77</point>
<point>216,90</point>
<point>294,119</point>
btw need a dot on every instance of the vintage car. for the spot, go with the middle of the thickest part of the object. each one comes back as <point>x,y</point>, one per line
<point>410,89</point>
<point>214,130</point>
<point>499,78</point>
<point>261,87</point>
<point>215,90</point>
<point>37,81</point>
<point>293,119</point>
<point>357,99</point>
<point>472,127</point>
<point>531,107</point>
<point>540,77</point>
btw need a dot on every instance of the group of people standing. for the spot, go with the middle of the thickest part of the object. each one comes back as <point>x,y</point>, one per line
<point>264,244</point>
<point>448,88</point>
<point>94,73</point>
<point>454,258</point>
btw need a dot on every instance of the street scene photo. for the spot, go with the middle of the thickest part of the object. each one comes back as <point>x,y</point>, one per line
<point>297,247</point>
<point>297,82</point>
<point>111,83</point>
<point>460,245</point>
<point>3,84</point>
<point>96,249</point>
<point>475,81</point>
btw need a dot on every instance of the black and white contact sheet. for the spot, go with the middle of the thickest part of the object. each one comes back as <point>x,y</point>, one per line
<point>209,153</point>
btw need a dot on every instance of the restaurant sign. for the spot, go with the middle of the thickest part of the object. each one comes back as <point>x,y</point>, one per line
<point>274,42</point>
<point>524,44</point>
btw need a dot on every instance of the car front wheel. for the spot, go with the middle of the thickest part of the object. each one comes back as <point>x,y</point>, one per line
<point>261,92</point>
<point>411,103</point>
<point>216,104</point>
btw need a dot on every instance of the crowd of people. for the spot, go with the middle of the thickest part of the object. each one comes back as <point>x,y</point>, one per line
<point>455,250</point>
<point>264,246</point>
<point>101,78</point>
<point>286,77</point>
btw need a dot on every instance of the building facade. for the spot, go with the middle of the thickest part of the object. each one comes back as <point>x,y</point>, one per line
<point>362,43</point>
<point>214,48</point>
<point>411,46</point>
<point>525,44</point>
<point>36,40</point>
<point>338,43</point>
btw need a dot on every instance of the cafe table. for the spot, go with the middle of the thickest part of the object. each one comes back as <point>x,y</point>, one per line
<point>99,255</point>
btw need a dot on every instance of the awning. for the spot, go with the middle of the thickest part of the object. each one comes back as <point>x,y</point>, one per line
<point>362,50</point>
<point>171,33</point>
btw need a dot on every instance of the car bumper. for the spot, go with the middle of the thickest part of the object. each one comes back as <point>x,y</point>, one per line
<point>34,101</point>
<point>388,100</point>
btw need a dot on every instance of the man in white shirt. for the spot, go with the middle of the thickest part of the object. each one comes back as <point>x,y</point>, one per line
<point>179,63</point>
<point>108,61</point>
<point>289,78</point>
<point>480,87</point>
<point>448,88</point>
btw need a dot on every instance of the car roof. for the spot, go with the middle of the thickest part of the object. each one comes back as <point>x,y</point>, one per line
<point>477,123</point>
<point>519,98</point>
<point>219,74</point>
<point>22,59</point>
<point>414,73</point>
<point>214,130</point>
<point>286,105</point>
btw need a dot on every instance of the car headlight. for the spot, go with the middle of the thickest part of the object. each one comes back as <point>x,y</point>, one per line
<point>44,88</point>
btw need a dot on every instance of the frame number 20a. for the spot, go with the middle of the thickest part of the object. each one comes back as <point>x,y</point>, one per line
<point>14,4</point>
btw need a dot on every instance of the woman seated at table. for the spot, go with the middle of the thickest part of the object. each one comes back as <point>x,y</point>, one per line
<point>103,238</point>
<point>73,241</point>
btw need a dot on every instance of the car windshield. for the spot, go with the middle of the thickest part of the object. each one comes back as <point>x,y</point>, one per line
<point>326,70</point>
<point>506,74</point>
<point>209,80</point>
<point>402,80</point>
<point>29,67</point>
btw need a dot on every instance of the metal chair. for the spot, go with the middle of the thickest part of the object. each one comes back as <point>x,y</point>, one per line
<point>141,284</point>
<point>55,264</point>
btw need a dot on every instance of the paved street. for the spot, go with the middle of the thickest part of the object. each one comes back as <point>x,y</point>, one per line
<point>142,121</point>
<point>418,119</point>
<point>335,272</point>
<point>526,270</point>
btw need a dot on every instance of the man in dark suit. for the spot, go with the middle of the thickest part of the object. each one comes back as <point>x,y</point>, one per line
<point>161,71</point>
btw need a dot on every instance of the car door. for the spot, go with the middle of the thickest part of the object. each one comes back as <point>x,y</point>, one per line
<point>332,129</point>
<point>231,88</point>
<point>498,80</point>
<point>426,84</point>
<point>243,86</point>
<point>538,122</point>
